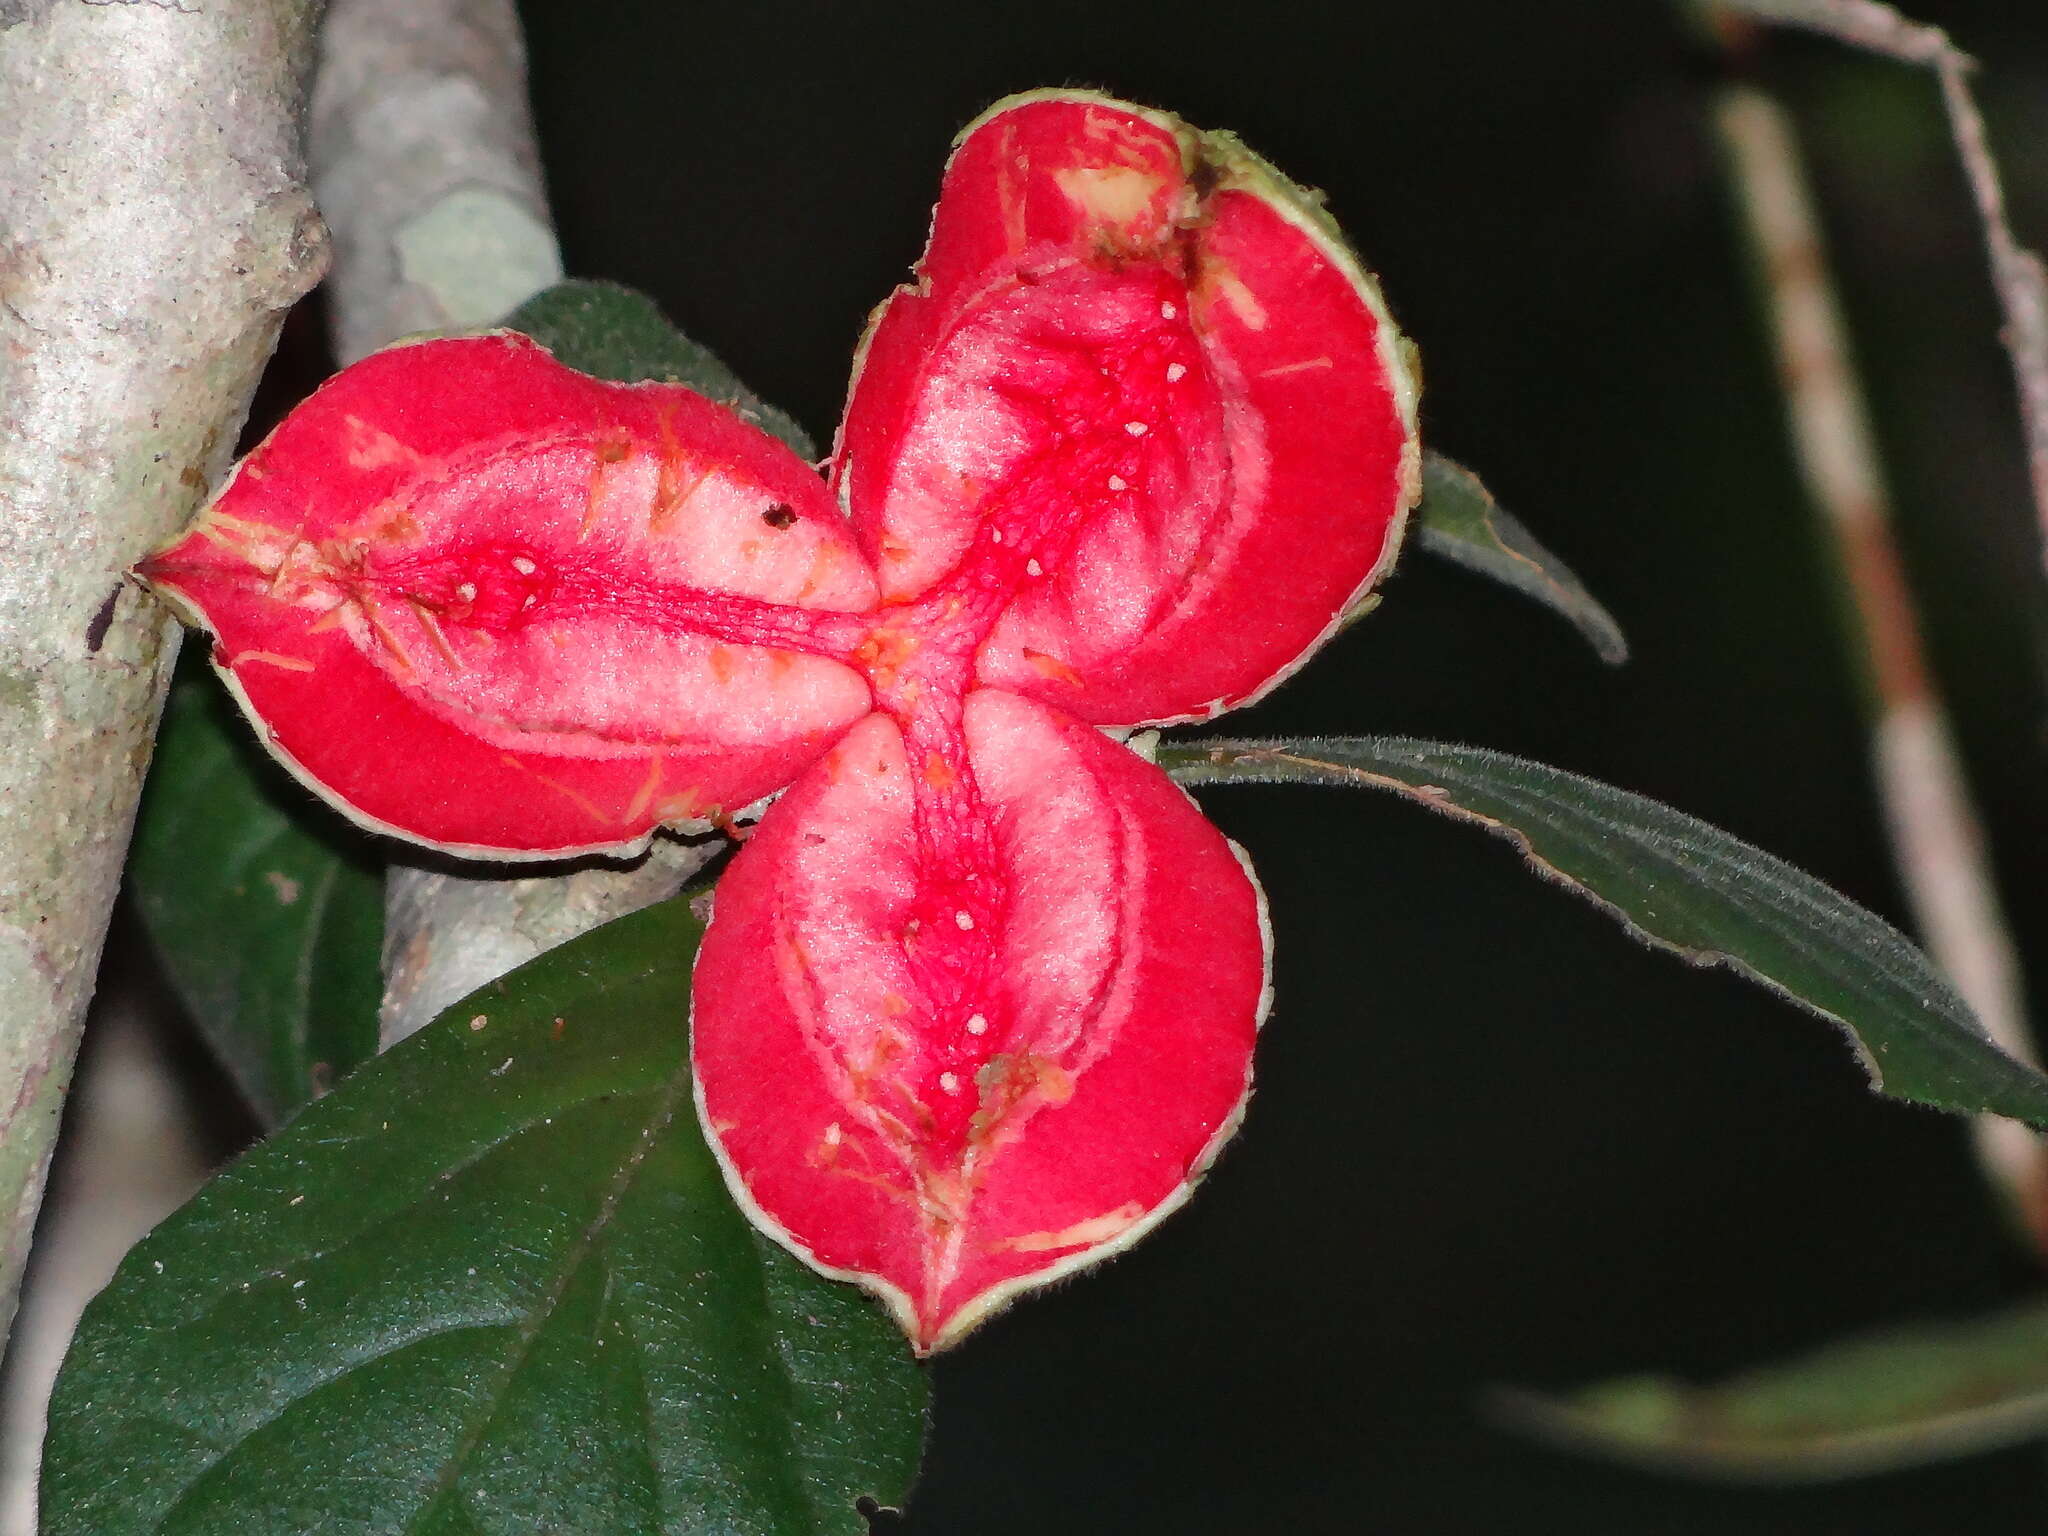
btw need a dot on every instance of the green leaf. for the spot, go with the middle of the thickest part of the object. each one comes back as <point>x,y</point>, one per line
<point>1873,1404</point>
<point>493,1283</point>
<point>613,332</point>
<point>266,912</point>
<point>1682,885</point>
<point>1458,519</point>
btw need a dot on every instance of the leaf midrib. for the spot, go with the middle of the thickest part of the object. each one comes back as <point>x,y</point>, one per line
<point>528,1329</point>
<point>1887,980</point>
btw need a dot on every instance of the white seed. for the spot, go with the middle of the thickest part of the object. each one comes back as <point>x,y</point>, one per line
<point>523,566</point>
<point>467,591</point>
<point>1118,483</point>
<point>977,1025</point>
<point>1167,311</point>
<point>1034,568</point>
<point>295,1199</point>
<point>1175,372</point>
<point>298,1285</point>
<point>995,535</point>
<point>1135,428</point>
<point>949,1081</point>
<point>963,920</point>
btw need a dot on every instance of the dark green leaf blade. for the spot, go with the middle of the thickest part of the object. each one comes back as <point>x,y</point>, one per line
<point>1900,1398</point>
<point>266,911</point>
<point>1682,885</point>
<point>1458,519</point>
<point>613,332</point>
<point>494,1284</point>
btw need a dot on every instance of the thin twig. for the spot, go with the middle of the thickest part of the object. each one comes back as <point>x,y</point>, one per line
<point>1936,841</point>
<point>2016,272</point>
<point>1865,23</point>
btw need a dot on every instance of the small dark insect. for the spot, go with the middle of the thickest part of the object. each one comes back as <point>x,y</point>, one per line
<point>96,631</point>
<point>778,516</point>
<point>881,1517</point>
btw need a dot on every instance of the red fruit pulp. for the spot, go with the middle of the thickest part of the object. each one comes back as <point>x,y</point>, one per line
<point>1129,448</point>
<point>1149,336</point>
<point>978,1000</point>
<point>484,601</point>
<point>1002,1026</point>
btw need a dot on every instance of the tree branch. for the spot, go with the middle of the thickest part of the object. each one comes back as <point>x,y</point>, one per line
<point>424,162</point>
<point>2016,272</point>
<point>1936,841</point>
<point>424,159</point>
<point>154,226</point>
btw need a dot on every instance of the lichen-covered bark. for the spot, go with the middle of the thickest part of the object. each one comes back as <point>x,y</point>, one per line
<point>424,160</point>
<point>154,227</point>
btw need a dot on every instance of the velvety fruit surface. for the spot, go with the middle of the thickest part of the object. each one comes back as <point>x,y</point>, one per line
<point>977,1001</point>
<point>486,602</point>
<point>1141,356</point>
<point>951,1063</point>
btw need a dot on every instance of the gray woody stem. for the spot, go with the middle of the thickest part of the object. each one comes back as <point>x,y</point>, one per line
<point>424,159</point>
<point>154,227</point>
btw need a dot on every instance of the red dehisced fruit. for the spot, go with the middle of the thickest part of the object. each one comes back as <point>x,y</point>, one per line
<point>482,601</point>
<point>952,1065</point>
<point>977,1002</point>
<point>1141,347</point>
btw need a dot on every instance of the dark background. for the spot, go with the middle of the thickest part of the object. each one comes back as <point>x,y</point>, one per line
<point>1493,1141</point>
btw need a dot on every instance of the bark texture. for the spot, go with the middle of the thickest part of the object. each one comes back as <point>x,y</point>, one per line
<point>425,165</point>
<point>447,934</point>
<point>424,160</point>
<point>154,227</point>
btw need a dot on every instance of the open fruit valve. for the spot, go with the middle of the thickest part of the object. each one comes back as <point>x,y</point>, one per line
<point>977,1002</point>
